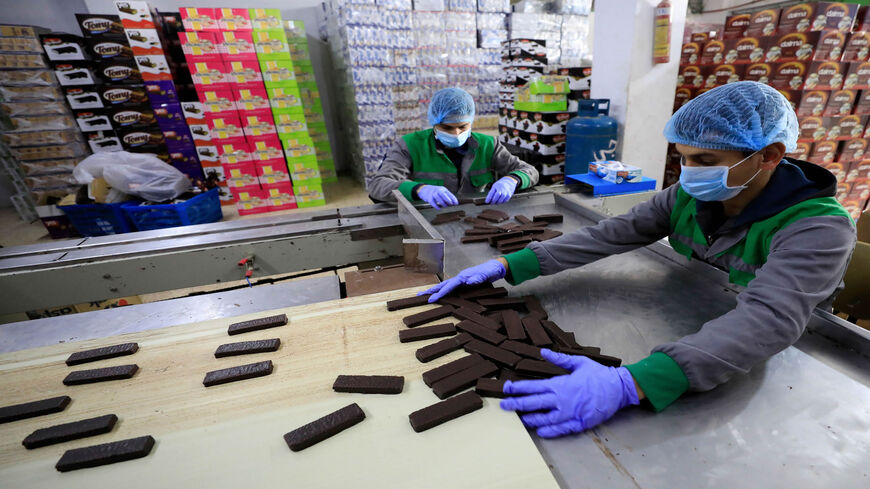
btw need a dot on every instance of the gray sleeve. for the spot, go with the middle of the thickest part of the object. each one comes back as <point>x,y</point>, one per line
<point>503,162</point>
<point>806,264</point>
<point>644,224</point>
<point>395,169</point>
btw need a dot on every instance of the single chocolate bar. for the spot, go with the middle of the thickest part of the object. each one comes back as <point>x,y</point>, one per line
<point>548,218</point>
<point>531,228</point>
<point>533,305</point>
<point>441,412</point>
<point>516,303</point>
<point>494,213</point>
<point>475,221</point>
<point>106,453</point>
<point>450,368</point>
<point>441,348</point>
<point>522,219</point>
<point>495,316</point>
<point>545,235</point>
<point>70,431</point>
<point>325,427</point>
<point>481,232</point>
<point>100,374</point>
<point>497,238</point>
<point>482,332</point>
<point>462,303</point>
<point>560,337</point>
<point>488,227</point>
<point>606,360</point>
<point>522,240</point>
<point>446,217</point>
<point>408,302</point>
<point>427,316</point>
<point>490,388</point>
<point>247,347</point>
<point>427,332</point>
<point>483,293</point>
<point>369,384</point>
<point>257,324</point>
<point>34,408</point>
<point>476,239</point>
<point>102,353</point>
<point>463,379</point>
<point>510,249</point>
<point>513,325</point>
<point>522,349</point>
<point>536,332</point>
<point>465,314</point>
<point>241,372</point>
<point>492,352</point>
<point>586,351</point>
<point>539,368</point>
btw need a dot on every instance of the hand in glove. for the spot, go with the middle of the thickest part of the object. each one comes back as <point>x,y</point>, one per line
<point>502,191</point>
<point>437,196</point>
<point>586,397</point>
<point>485,272</point>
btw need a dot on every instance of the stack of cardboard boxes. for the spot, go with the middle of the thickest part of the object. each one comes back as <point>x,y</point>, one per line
<point>818,56</point>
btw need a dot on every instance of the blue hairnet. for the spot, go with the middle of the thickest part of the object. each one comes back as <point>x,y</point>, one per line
<point>738,116</point>
<point>451,105</point>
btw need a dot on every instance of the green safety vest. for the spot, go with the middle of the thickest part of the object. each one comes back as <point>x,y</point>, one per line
<point>430,166</point>
<point>750,253</point>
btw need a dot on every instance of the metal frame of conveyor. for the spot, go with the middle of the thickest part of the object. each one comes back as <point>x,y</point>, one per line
<point>423,249</point>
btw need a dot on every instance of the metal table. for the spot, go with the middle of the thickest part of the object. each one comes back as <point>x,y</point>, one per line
<point>801,419</point>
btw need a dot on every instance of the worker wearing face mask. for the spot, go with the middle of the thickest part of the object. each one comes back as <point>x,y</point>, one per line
<point>435,165</point>
<point>770,222</point>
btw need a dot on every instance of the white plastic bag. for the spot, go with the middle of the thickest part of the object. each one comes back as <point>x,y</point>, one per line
<point>140,174</point>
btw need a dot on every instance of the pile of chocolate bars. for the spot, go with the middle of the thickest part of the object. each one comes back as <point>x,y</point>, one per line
<point>508,237</point>
<point>502,335</point>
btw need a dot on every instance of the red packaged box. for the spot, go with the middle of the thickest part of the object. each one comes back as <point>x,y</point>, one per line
<point>234,19</point>
<point>281,196</point>
<point>691,76</point>
<point>862,106</point>
<point>841,102</point>
<point>802,152</point>
<point>244,74</point>
<point>153,67</point>
<point>234,153</point>
<point>258,122</point>
<point>715,50</point>
<point>789,75</point>
<point>749,50</point>
<point>724,74</point>
<point>699,37</point>
<point>858,77</point>
<point>209,73</point>
<point>831,45</point>
<point>216,101</point>
<point>824,151</point>
<point>862,19</point>
<point>813,128</point>
<point>682,96</point>
<point>135,15</point>
<point>839,170</point>
<point>853,150</point>
<point>839,16</point>
<point>825,75</point>
<point>758,72</point>
<point>763,23</point>
<point>237,46</point>
<point>735,26</point>
<point>793,96</point>
<point>859,170</point>
<point>847,127</point>
<point>250,98</point>
<point>857,47</point>
<point>252,201</point>
<point>813,103</point>
<point>818,16</point>
<point>266,147</point>
<point>793,46</point>
<point>144,41</point>
<point>225,126</point>
<point>199,19</point>
<point>690,54</point>
<point>200,46</point>
<point>201,134</point>
<point>272,171</point>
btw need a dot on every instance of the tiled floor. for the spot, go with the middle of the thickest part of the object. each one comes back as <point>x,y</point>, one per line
<point>347,192</point>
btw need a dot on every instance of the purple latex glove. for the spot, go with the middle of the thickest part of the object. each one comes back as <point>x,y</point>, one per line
<point>485,272</point>
<point>585,398</point>
<point>502,191</point>
<point>437,196</point>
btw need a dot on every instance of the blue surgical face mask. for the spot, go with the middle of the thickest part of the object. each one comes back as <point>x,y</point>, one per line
<point>710,183</point>
<point>451,140</point>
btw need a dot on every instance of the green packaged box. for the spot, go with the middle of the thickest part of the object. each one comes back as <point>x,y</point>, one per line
<point>295,30</point>
<point>308,194</point>
<point>297,144</point>
<point>328,175</point>
<point>304,71</point>
<point>549,84</point>
<point>547,102</point>
<point>284,100</point>
<point>304,169</point>
<point>271,44</point>
<point>278,73</point>
<point>265,18</point>
<point>298,51</point>
<point>290,122</point>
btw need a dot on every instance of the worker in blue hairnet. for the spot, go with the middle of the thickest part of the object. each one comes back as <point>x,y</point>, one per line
<point>770,222</point>
<point>435,165</point>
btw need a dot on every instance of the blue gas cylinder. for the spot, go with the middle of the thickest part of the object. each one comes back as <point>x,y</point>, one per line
<point>591,136</point>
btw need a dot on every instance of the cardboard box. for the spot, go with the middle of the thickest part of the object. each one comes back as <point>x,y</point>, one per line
<point>149,140</point>
<point>271,44</point>
<point>234,19</point>
<point>813,103</point>
<point>98,49</point>
<point>83,97</point>
<point>251,98</point>
<point>178,140</point>
<point>813,128</point>
<point>858,77</point>
<point>825,75</point>
<point>265,148</point>
<point>93,120</point>
<point>278,73</point>
<point>789,75</point>
<point>748,50</point>
<point>170,117</point>
<point>63,47</point>
<point>862,106</point>
<point>265,18</point>
<point>194,112</point>
<point>793,96</point>
<point>841,102</point>
<point>272,171</point>
<point>135,15</point>
<point>763,23</point>
<point>699,37</point>
<point>800,18</point>
<point>542,122</point>
<point>234,153</point>
<point>713,53</point>
<point>825,151</point>
<point>118,71</point>
<point>225,126</point>
<point>759,72</point>
<point>103,141</point>
<point>281,196</point>
<point>200,46</point>
<point>144,42</point>
<point>244,74</point>
<point>154,67</point>
<point>237,46</point>
<point>96,25</point>
<point>857,47</point>
<point>859,170</point>
<point>847,127</point>
<point>735,26</point>
<point>309,195</point>
<point>804,148</point>
<point>132,117</point>
<point>284,100</point>
<point>289,123</point>
<point>217,101</point>
<point>853,150</point>
<point>839,16</point>
<point>304,169</point>
<point>208,154</point>
<point>122,95</point>
<point>258,122</point>
<point>161,91</point>
<point>200,133</point>
<point>831,45</point>
<point>252,201</point>
<point>210,73</point>
<point>74,73</point>
<point>298,145</point>
<point>199,19</point>
<point>793,46</point>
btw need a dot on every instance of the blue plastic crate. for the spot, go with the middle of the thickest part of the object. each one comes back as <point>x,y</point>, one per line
<point>98,219</point>
<point>205,207</point>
